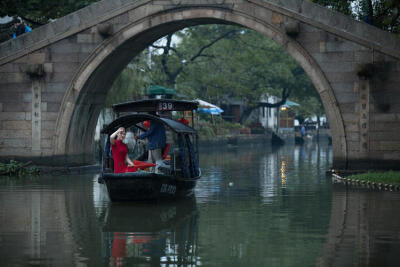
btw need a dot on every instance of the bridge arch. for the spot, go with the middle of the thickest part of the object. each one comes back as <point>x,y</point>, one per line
<point>96,74</point>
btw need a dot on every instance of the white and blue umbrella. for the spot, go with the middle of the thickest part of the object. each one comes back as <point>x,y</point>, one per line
<point>208,108</point>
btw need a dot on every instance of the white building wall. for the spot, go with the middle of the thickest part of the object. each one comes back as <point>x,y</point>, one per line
<point>268,116</point>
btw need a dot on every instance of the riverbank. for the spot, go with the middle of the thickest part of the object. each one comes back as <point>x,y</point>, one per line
<point>15,168</point>
<point>387,180</point>
<point>390,177</point>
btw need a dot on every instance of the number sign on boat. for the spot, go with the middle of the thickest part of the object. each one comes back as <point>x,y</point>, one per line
<point>165,106</point>
<point>166,188</point>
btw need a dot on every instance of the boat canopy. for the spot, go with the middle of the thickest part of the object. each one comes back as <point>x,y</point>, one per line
<point>149,105</point>
<point>155,89</point>
<point>134,119</point>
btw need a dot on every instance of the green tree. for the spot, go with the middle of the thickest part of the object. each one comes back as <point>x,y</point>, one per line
<point>343,6</point>
<point>130,84</point>
<point>175,59</point>
<point>384,14</point>
<point>39,12</point>
<point>243,65</point>
<point>218,62</point>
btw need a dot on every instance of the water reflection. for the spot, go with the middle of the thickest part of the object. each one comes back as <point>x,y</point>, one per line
<point>254,219</point>
<point>161,233</point>
<point>283,173</point>
<point>268,170</point>
<point>35,224</point>
<point>254,206</point>
<point>364,228</point>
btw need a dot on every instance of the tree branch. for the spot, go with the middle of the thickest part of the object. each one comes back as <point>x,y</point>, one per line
<point>171,76</point>
<point>165,47</point>
<point>285,95</point>
<point>31,21</point>
<point>247,112</point>
<point>198,54</point>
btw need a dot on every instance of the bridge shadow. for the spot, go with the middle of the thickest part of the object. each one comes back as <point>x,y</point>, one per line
<point>363,229</point>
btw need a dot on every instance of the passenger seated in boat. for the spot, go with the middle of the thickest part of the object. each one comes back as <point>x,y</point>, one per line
<point>120,151</point>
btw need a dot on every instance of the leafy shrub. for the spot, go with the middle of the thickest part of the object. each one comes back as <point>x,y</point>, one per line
<point>206,132</point>
<point>15,168</point>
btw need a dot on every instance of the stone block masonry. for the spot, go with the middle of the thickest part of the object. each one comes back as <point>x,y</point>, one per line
<point>53,81</point>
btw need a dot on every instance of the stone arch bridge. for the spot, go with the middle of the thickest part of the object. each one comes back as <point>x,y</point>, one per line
<point>53,81</point>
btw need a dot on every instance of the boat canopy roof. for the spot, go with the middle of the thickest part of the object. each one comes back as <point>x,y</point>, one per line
<point>149,105</point>
<point>134,119</point>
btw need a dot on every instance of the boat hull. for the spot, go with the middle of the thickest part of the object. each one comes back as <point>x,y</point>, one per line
<point>147,186</point>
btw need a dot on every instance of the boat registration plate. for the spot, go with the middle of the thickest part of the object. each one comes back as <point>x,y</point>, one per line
<point>167,188</point>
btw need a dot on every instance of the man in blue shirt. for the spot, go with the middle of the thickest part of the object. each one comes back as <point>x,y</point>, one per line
<point>156,141</point>
<point>20,28</point>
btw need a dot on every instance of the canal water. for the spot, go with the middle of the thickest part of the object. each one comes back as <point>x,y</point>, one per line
<point>254,206</point>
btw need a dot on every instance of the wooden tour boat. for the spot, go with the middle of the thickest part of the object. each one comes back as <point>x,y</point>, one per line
<point>176,176</point>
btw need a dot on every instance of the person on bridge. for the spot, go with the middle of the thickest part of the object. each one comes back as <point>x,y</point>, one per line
<point>120,151</point>
<point>20,28</point>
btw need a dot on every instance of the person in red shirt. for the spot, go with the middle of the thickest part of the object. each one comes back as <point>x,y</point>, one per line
<point>120,151</point>
<point>184,121</point>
